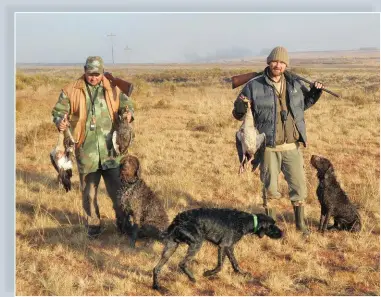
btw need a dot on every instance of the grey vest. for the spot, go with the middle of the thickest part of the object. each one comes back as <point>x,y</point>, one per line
<point>264,105</point>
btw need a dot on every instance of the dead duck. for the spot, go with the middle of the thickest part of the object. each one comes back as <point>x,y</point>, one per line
<point>61,158</point>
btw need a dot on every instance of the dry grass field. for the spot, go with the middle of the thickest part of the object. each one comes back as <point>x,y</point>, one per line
<point>185,142</point>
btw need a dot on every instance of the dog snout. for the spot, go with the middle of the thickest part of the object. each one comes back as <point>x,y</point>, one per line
<point>274,232</point>
<point>314,160</point>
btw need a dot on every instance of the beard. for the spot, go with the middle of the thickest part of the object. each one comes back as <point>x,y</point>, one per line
<point>276,72</point>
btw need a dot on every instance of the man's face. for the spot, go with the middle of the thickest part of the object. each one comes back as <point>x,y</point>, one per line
<point>277,68</point>
<point>93,78</point>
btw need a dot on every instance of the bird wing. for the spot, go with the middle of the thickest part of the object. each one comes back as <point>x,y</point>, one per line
<point>125,137</point>
<point>261,138</point>
<point>114,142</point>
<point>52,159</point>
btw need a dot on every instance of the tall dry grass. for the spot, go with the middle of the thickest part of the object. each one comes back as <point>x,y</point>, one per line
<point>185,142</point>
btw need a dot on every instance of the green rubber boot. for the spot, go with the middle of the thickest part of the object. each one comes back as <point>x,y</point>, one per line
<point>299,220</point>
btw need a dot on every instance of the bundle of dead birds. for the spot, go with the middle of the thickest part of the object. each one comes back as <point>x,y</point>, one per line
<point>123,135</point>
<point>61,158</point>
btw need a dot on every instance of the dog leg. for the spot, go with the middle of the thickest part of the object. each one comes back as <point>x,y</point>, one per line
<point>322,217</point>
<point>221,259</point>
<point>233,261</point>
<point>326,219</point>
<point>336,225</point>
<point>133,234</point>
<point>192,250</point>
<point>168,251</point>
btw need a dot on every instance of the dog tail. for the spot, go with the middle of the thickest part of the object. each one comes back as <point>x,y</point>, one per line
<point>178,234</point>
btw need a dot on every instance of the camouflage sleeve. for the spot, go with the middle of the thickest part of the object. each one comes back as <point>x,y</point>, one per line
<point>126,101</point>
<point>62,106</point>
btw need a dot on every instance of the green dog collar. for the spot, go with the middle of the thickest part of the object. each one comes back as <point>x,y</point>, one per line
<point>255,223</point>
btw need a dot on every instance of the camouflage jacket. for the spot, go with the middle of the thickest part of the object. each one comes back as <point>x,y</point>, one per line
<point>96,150</point>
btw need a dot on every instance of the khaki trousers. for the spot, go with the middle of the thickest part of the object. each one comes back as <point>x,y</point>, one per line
<point>290,163</point>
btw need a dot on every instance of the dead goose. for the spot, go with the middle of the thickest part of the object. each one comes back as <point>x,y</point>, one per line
<point>249,137</point>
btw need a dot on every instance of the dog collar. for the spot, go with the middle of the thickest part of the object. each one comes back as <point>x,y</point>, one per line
<point>255,223</point>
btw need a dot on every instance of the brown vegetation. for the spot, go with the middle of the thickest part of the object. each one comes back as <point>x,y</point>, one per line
<point>185,143</point>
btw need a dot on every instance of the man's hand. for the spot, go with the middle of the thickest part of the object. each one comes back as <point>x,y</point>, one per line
<point>63,124</point>
<point>128,116</point>
<point>109,76</point>
<point>317,85</point>
<point>241,105</point>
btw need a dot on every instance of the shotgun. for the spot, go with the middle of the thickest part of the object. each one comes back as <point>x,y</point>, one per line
<point>239,80</point>
<point>125,86</point>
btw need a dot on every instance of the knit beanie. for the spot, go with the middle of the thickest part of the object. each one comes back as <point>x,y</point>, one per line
<point>279,53</point>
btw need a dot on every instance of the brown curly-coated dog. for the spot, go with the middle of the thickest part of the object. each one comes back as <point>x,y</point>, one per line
<point>147,216</point>
<point>333,200</point>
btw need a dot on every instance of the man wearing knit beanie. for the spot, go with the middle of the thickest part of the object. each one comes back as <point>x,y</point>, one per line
<point>278,101</point>
<point>279,54</point>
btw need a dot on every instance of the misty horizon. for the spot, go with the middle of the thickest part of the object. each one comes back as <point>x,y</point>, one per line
<point>129,38</point>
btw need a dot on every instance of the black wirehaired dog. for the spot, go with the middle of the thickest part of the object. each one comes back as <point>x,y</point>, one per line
<point>222,227</point>
<point>333,200</point>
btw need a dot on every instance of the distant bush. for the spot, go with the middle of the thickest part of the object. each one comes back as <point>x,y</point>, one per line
<point>40,133</point>
<point>199,125</point>
<point>191,77</point>
<point>362,97</point>
<point>36,80</point>
<point>140,86</point>
<point>162,104</point>
<point>300,70</point>
<point>372,88</point>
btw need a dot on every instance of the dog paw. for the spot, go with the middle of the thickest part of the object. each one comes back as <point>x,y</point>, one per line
<point>155,287</point>
<point>132,243</point>
<point>161,290</point>
<point>208,273</point>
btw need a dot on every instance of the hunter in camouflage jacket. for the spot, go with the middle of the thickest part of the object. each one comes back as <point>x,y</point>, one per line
<point>94,148</point>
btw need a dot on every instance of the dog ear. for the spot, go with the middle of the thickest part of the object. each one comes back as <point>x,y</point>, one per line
<point>264,222</point>
<point>266,226</point>
<point>261,233</point>
<point>329,172</point>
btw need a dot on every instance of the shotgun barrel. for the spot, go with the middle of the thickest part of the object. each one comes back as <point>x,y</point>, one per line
<point>239,80</point>
<point>125,86</point>
<point>309,82</point>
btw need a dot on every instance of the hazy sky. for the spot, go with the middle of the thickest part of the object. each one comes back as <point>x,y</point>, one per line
<point>182,37</point>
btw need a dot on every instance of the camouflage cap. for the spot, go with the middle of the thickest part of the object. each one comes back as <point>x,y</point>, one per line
<point>94,64</point>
